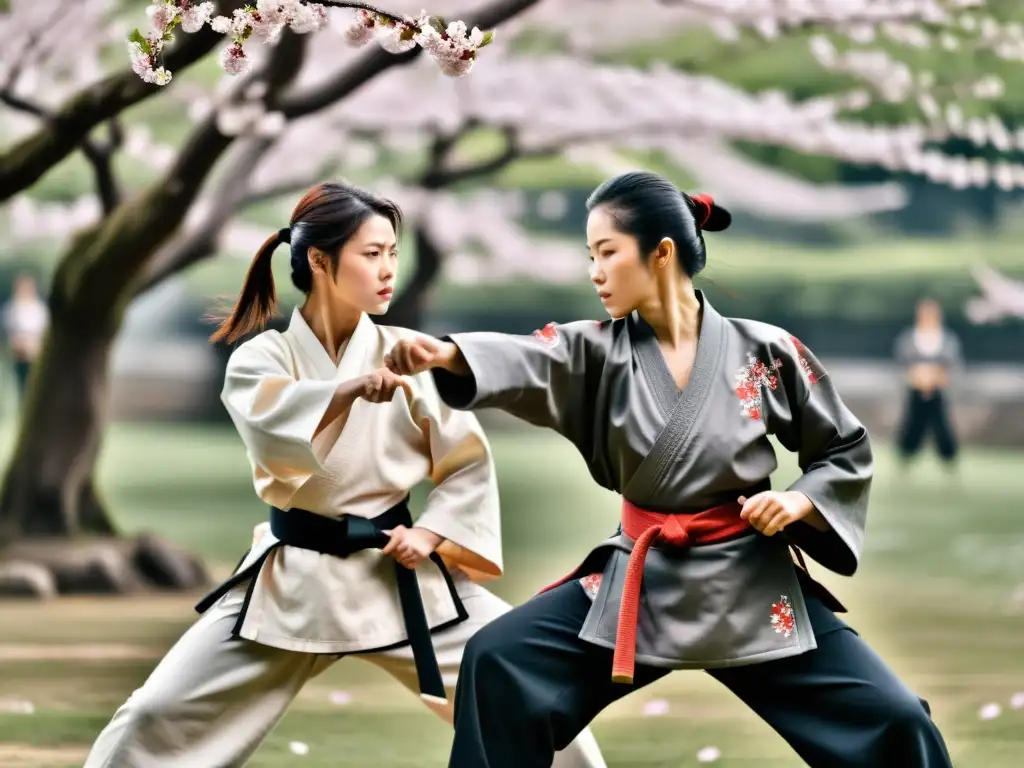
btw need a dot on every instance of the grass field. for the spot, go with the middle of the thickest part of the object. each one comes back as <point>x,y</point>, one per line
<point>935,597</point>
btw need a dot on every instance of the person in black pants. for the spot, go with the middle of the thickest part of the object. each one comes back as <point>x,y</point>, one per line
<point>930,354</point>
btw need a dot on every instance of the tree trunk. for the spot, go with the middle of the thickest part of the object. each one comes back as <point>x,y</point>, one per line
<point>48,490</point>
<point>407,311</point>
<point>56,535</point>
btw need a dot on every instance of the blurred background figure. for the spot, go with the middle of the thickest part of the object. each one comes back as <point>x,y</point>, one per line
<point>25,318</point>
<point>931,356</point>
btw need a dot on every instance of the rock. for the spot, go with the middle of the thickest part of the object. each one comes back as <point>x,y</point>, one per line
<point>19,578</point>
<point>166,566</point>
<point>97,570</point>
<point>105,565</point>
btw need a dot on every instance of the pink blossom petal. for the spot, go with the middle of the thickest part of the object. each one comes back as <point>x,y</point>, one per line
<point>990,711</point>
<point>656,708</point>
<point>708,754</point>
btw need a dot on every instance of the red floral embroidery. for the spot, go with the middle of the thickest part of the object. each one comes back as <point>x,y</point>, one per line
<point>749,381</point>
<point>782,617</point>
<point>813,371</point>
<point>547,335</point>
<point>592,583</point>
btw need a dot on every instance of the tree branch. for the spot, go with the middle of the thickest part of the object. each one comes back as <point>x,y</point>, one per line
<point>438,176</point>
<point>359,6</point>
<point>100,157</point>
<point>289,187</point>
<point>117,249</point>
<point>24,163</point>
<point>225,199</point>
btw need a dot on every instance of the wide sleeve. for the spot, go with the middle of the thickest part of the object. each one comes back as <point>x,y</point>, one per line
<point>463,505</point>
<point>903,348</point>
<point>276,415</point>
<point>548,378</point>
<point>808,417</point>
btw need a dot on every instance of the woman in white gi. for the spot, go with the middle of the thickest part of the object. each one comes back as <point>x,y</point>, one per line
<point>335,442</point>
<point>671,405</point>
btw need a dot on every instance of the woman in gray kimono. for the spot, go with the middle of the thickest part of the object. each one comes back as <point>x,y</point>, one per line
<point>672,406</point>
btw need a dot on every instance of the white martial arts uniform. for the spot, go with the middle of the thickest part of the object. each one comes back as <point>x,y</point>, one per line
<point>231,676</point>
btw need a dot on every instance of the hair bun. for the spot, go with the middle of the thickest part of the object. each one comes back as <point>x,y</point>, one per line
<point>710,216</point>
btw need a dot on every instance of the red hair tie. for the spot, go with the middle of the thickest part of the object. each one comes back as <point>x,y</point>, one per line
<point>705,202</point>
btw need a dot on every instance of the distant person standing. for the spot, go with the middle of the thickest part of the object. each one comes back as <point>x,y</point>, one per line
<point>930,353</point>
<point>26,319</point>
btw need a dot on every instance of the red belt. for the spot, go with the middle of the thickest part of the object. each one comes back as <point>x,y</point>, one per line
<point>645,528</point>
<point>676,530</point>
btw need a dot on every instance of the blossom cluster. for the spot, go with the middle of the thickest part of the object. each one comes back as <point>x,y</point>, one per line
<point>452,45</point>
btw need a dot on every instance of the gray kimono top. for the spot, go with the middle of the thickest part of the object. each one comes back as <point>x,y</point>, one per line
<point>606,387</point>
<point>946,353</point>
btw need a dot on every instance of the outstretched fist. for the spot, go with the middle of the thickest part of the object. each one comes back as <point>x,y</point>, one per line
<point>411,356</point>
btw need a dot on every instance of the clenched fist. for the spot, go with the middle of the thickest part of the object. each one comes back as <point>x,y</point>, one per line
<point>771,511</point>
<point>411,546</point>
<point>411,356</point>
<point>381,385</point>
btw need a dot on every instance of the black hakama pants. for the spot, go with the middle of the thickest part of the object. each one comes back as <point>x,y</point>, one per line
<point>924,415</point>
<point>528,685</point>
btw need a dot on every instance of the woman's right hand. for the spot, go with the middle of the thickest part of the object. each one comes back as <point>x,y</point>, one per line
<point>412,356</point>
<point>381,385</point>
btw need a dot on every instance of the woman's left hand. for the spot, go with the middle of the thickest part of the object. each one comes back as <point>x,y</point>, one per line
<point>411,546</point>
<point>771,511</point>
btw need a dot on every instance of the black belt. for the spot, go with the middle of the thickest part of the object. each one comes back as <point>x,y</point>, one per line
<point>344,536</point>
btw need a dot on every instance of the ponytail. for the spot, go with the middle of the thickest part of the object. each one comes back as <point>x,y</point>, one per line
<point>257,302</point>
<point>710,216</point>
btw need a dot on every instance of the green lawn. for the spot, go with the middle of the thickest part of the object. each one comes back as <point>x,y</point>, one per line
<point>934,597</point>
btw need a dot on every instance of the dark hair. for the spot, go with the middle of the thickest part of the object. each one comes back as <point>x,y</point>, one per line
<point>650,207</point>
<point>325,218</point>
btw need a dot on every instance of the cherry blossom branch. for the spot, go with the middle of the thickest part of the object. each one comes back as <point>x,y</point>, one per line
<point>453,45</point>
<point>559,101</point>
<point>1002,297</point>
<point>31,39</point>
<point>799,14</point>
<point>307,101</point>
